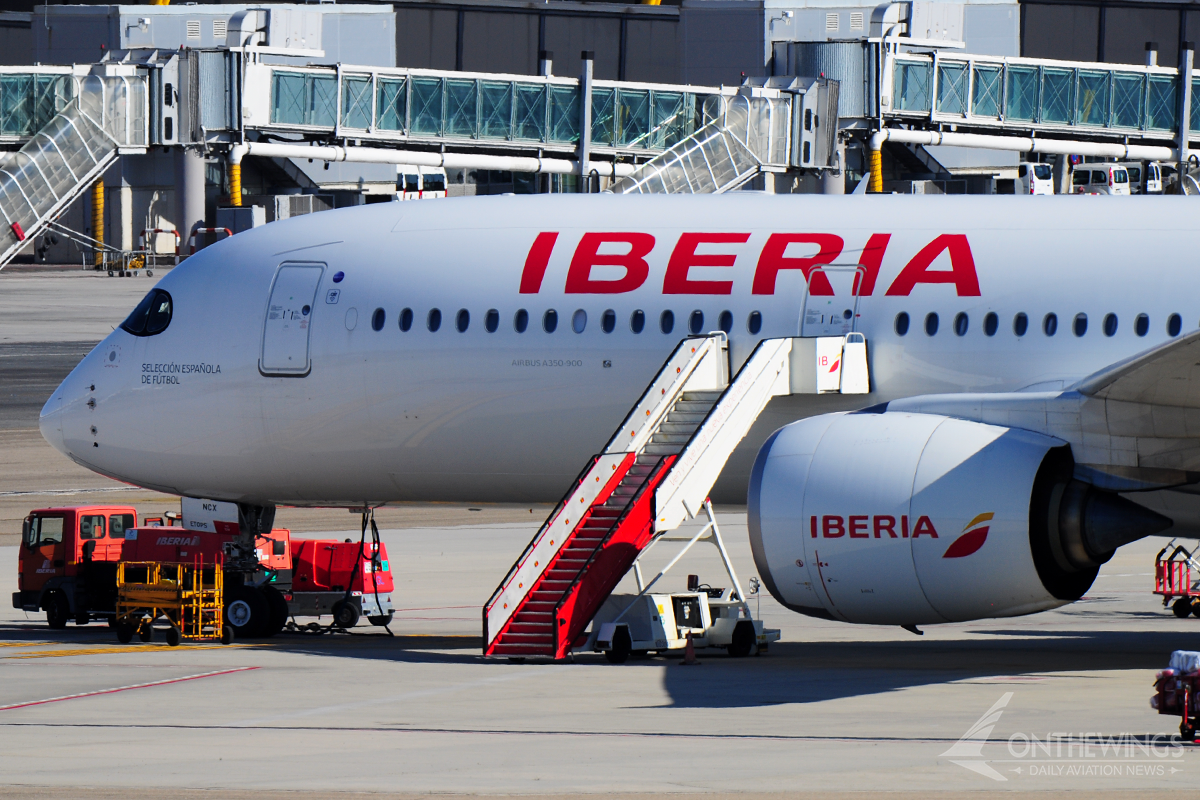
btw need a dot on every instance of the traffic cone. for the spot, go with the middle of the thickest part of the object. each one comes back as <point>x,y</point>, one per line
<point>689,653</point>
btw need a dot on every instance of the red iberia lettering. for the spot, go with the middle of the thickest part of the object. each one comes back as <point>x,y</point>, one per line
<point>588,255</point>
<point>858,528</point>
<point>536,263</point>
<point>885,523</point>
<point>904,526</point>
<point>772,260</point>
<point>924,527</point>
<point>812,526</point>
<point>961,273</point>
<point>684,257</point>
<point>832,527</point>
<point>870,260</point>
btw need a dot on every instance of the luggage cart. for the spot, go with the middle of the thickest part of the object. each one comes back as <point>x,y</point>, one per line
<point>1177,577</point>
<point>1177,691</point>
<point>189,596</point>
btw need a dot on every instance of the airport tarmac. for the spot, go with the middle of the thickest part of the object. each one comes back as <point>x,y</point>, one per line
<point>832,710</point>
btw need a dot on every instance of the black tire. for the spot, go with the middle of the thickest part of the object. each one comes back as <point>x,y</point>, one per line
<point>345,614</point>
<point>277,608</point>
<point>58,611</point>
<point>146,632</point>
<point>83,618</point>
<point>149,273</point>
<point>226,634</point>
<point>743,640</point>
<point>247,612</point>
<point>621,647</point>
<point>1196,607</point>
<point>172,637</point>
<point>1187,732</point>
<point>124,633</point>
<point>382,621</point>
<point>1182,607</point>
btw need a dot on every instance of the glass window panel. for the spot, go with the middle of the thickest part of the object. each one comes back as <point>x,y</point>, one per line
<point>461,108</point>
<point>952,88</point>
<point>356,102</point>
<point>633,117</point>
<point>323,107</point>
<point>564,114</point>
<point>668,120</point>
<point>389,114</point>
<point>1161,103</point>
<point>602,115</point>
<point>16,107</point>
<point>288,98</point>
<point>1195,115</point>
<point>530,100</point>
<point>495,109</point>
<point>912,86</point>
<point>1128,94</point>
<point>1093,98</point>
<point>1022,93</point>
<point>427,106</point>
<point>1057,95</point>
<point>987,92</point>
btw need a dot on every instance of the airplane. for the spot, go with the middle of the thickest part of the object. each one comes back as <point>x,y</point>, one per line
<point>1032,368</point>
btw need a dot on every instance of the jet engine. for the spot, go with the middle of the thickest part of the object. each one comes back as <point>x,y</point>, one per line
<point>905,519</point>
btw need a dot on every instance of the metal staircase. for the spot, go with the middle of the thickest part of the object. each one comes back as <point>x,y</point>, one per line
<point>654,474</point>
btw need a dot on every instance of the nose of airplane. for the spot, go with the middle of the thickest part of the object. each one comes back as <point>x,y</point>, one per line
<point>50,421</point>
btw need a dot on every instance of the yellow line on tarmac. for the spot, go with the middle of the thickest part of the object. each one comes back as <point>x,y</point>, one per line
<point>129,648</point>
<point>24,644</point>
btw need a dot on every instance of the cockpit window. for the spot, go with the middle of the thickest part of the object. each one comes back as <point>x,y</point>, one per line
<point>151,316</point>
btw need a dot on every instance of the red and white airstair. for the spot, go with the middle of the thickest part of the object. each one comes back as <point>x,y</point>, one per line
<point>655,474</point>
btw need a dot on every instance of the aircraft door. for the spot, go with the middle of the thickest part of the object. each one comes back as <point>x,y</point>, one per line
<point>831,301</point>
<point>285,342</point>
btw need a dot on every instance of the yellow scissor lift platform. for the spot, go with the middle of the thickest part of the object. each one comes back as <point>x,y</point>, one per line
<point>189,596</point>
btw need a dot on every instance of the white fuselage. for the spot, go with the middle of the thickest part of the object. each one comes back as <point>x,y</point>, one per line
<point>392,415</point>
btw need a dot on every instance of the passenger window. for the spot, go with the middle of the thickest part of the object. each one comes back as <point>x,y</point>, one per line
<point>931,324</point>
<point>666,321</point>
<point>1020,324</point>
<point>118,524</point>
<point>754,322</point>
<point>91,526</point>
<point>1174,325</point>
<point>902,323</point>
<point>434,320</point>
<point>521,321</point>
<point>377,319</point>
<point>406,318</point>
<point>961,323</point>
<point>696,322</point>
<point>151,316</point>
<point>608,322</point>
<point>991,323</point>
<point>579,320</point>
<point>550,321</point>
<point>1099,177</point>
<point>1050,324</point>
<point>1141,325</point>
<point>1080,325</point>
<point>492,320</point>
<point>725,321</point>
<point>1110,324</point>
<point>1079,178</point>
<point>49,530</point>
<point>637,321</point>
<point>463,320</point>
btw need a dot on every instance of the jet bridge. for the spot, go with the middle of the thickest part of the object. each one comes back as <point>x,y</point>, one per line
<point>654,475</point>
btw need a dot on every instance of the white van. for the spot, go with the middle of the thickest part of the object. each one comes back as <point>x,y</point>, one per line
<point>419,183</point>
<point>1036,178</point>
<point>1100,179</point>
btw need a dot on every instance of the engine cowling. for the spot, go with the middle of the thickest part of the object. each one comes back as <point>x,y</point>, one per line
<point>905,519</point>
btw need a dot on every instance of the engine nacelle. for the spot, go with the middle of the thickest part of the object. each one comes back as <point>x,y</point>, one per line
<point>905,519</point>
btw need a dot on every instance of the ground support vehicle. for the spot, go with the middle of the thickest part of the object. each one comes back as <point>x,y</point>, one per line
<point>644,623</point>
<point>326,580</point>
<point>1178,691</point>
<point>1177,578</point>
<point>190,597</point>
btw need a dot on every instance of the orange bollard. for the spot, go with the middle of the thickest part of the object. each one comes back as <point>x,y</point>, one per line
<point>689,653</point>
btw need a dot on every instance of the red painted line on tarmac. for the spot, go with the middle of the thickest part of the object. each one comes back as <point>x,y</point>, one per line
<point>125,688</point>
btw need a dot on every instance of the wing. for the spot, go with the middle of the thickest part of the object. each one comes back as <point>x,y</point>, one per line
<point>1167,375</point>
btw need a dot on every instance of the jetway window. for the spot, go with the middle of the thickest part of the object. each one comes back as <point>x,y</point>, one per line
<point>434,320</point>
<point>931,324</point>
<point>492,320</point>
<point>1020,324</point>
<point>608,322</point>
<point>754,322</point>
<point>1141,325</point>
<point>902,323</point>
<point>696,322</point>
<point>1080,324</point>
<point>1174,325</point>
<point>1050,324</point>
<point>521,321</point>
<point>463,320</point>
<point>151,316</point>
<point>1110,324</point>
<point>550,321</point>
<point>666,321</point>
<point>637,321</point>
<point>579,320</point>
<point>991,323</point>
<point>961,323</point>
<point>725,321</point>
<point>406,317</point>
<point>378,319</point>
